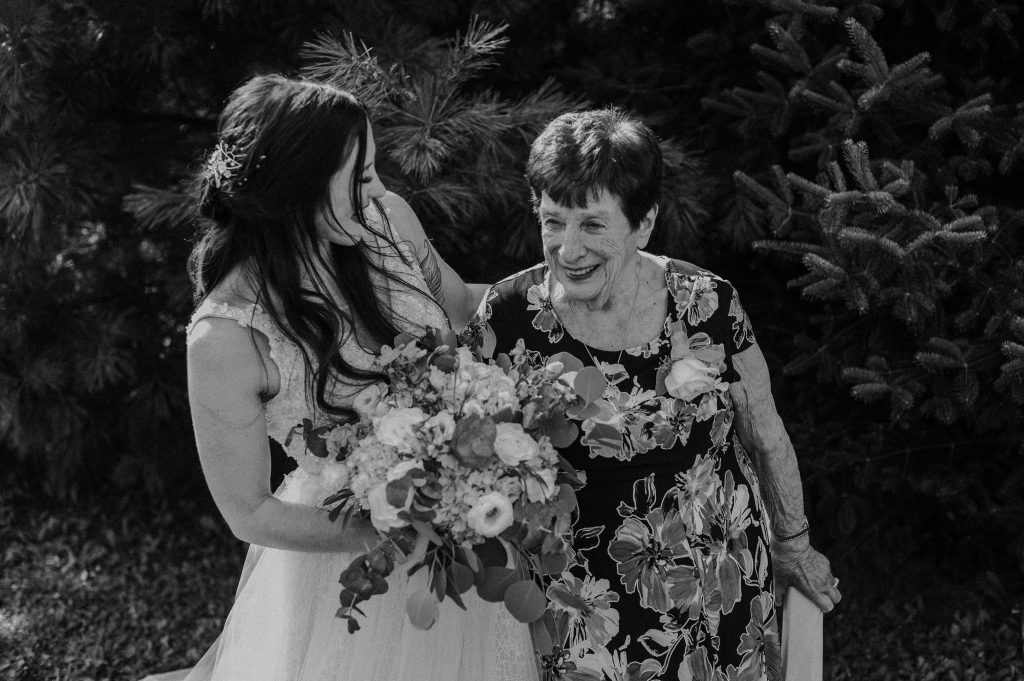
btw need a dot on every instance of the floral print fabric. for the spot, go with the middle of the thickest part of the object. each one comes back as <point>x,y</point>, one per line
<point>671,577</point>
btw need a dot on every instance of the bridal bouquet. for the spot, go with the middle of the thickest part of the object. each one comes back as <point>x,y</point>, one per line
<point>459,454</point>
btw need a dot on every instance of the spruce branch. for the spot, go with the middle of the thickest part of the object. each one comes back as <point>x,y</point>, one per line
<point>808,187</point>
<point>835,173</point>
<point>799,8</point>
<point>759,191</point>
<point>870,392</point>
<point>826,289</point>
<point>802,92</point>
<point>875,65</point>
<point>946,346</point>
<point>859,164</point>
<point>799,248</point>
<point>862,237</point>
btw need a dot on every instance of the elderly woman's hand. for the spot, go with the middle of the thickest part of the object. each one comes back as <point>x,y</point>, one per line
<point>796,563</point>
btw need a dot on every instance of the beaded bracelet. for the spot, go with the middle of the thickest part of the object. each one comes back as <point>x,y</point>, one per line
<point>796,535</point>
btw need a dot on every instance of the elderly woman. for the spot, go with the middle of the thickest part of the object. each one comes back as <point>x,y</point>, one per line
<point>681,537</point>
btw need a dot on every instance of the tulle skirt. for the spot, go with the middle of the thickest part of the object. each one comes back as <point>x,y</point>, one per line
<point>282,626</point>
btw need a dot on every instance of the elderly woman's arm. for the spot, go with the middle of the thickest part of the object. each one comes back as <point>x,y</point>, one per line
<point>763,434</point>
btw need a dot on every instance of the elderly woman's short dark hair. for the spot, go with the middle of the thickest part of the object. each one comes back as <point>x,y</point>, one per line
<point>578,154</point>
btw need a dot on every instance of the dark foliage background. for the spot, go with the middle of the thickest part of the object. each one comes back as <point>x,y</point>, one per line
<point>854,166</point>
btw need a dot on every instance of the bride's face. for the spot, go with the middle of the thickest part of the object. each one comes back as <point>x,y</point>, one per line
<point>337,221</point>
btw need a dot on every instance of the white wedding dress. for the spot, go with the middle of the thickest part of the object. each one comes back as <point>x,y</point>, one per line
<point>282,626</point>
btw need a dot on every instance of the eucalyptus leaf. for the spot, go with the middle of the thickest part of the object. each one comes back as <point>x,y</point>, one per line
<point>422,608</point>
<point>590,383</point>
<point>525,601</point>
<point>461,577</point>
<point>496,581</point>
<point>569,361</point>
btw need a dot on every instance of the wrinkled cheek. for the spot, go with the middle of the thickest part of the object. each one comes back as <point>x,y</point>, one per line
<point>611,251</point>
<point>550,246</point>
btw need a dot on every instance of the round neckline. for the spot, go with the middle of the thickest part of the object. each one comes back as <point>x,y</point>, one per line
<point>633,350</point>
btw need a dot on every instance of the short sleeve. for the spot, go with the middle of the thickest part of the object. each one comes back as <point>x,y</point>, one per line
<point>730,326</point>
<point>708,304</point>
<point>503,316</point>
<point>740,332</point>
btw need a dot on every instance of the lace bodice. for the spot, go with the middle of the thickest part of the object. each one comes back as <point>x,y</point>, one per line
<point>412,311</point>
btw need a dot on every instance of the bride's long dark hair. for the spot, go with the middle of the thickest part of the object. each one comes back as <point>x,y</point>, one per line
<point>279,142</point>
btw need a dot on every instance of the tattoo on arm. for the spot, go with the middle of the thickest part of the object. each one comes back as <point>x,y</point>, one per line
<point>432,272</point>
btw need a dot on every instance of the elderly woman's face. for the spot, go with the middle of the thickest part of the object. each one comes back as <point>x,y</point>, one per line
<point>587,248</point>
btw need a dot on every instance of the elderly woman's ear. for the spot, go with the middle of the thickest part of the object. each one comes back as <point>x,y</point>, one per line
<point>647,226</point>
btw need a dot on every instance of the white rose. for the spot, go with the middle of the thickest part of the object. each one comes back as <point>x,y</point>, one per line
<point>442,425</point>
<point>334,476</point>
<point>540,487</point>
<point>513,445</point>
<point>368,399</point>
<point>690,377</point>
<point>465,355</point>
<point>555,368</point>
<point>472,407</point>
<point>383,515</point>
<point>399,470</point>
<point>491,515</point>
<point>397,428</point>
<point>436,378</point>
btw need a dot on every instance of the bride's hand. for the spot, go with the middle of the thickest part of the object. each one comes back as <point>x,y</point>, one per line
<point>797,564</point>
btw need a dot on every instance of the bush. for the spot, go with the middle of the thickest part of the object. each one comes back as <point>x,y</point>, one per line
<point>888,184</point>
<point>867,151</point>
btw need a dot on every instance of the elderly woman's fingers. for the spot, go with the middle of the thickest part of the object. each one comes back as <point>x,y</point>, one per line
<point>804,582</point>
<point>821,581</point>
<point>811,573</point>
<point>833,591</point>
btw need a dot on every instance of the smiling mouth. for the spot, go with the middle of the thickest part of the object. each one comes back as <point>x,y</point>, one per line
<point>579,273</point>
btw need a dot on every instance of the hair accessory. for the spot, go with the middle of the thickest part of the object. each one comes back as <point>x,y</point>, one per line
<point>222,164</point>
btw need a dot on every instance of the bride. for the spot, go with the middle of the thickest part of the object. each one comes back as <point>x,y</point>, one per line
<point>306,266</point>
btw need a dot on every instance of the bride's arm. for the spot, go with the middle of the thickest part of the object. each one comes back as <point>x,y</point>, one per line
<point>458,298</point>
<point>226,376</point>
<point>762,432</point>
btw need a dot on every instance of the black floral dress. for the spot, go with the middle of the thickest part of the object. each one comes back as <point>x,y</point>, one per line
<point>672,578</point>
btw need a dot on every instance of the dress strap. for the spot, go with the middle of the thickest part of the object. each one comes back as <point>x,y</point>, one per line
<point>249,316</point>
<point>245,316</point>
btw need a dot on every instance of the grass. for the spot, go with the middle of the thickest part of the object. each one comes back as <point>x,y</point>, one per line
<point>116,591</point>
